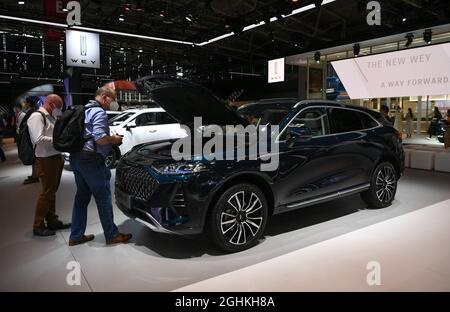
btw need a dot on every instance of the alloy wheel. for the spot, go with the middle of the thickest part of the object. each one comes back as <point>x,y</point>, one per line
<point>241,218</point>
<point>386,184</point>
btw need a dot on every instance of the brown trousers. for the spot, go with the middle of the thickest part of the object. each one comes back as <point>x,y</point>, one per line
<point>49,170</point>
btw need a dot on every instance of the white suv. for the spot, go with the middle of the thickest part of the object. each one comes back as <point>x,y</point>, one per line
<point>142,126</point>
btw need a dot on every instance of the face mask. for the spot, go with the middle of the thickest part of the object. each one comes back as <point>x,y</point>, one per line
<point>114,106</point>
<point>56,112</point>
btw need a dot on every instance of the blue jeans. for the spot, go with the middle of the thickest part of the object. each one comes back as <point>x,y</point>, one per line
<point>92,178</point>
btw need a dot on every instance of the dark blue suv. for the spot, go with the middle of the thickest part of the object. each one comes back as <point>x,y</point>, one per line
<point>326,150</point>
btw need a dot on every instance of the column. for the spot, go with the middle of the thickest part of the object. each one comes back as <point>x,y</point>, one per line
<point>419,114</point>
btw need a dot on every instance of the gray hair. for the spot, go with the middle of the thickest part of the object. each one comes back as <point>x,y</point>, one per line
<point>104,91</point>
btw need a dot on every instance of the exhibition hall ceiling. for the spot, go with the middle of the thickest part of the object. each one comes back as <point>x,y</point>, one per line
<point>335,23</point>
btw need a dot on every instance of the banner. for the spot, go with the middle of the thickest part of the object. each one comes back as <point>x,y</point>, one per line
<point>412,72</point>
<point>82,49</point>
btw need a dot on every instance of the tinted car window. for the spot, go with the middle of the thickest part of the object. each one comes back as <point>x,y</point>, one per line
<point>345,120</point>
<point>119,118</point>
<point>312,121</point>
<point>368,122</point>
<point>263,114</point>
<point>164,119</point>
<point>146,119</point>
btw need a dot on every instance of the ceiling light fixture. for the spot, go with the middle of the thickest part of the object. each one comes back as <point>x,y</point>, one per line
<point>409,39</point>
<point>318,3</point>
<point>271,20</point>
<point>428,36</point>
<point>356,49</point>
<point>117,33</point>
<point>317,57</point>
<point>21,2</point>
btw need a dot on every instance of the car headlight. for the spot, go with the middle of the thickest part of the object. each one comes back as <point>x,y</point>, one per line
<point>181,168</point>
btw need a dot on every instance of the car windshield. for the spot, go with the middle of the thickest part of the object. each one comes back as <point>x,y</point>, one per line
<point>264,114</point>
<point>120,118</point>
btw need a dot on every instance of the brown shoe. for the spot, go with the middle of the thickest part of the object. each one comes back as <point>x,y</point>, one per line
<point>84,239</point>
<point>120,238</point>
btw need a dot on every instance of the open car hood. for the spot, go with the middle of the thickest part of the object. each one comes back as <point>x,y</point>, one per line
<point>184,100</point>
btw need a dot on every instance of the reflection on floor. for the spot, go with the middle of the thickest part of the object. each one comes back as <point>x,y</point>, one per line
<point>407,253</point>
<point>156,262</point>
<point>423,139</point>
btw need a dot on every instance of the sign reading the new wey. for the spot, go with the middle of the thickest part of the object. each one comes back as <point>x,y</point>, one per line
<point>82,49</point>
<point>413,72</point>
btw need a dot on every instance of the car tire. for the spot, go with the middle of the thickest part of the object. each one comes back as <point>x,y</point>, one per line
<point>238,218</point>
<point>112,158</point>
<point>383,186</point>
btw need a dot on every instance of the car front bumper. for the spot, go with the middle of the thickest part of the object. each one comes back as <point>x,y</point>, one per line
<point>166,205</point>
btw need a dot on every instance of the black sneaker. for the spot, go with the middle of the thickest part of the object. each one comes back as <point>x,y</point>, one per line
<point>31,180</point>
<point>43,232</point>
<point>58,226</point>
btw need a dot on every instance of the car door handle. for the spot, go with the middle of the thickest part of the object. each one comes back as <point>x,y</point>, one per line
<point>153,131</point>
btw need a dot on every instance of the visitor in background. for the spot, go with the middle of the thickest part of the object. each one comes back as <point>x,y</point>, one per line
<point>434,124</point>
<point>18,112</point>
<point>409,123</point>
<point>384,110</point>
<point>2,128</point>
<point>31,104</point>
<point>398,122</point>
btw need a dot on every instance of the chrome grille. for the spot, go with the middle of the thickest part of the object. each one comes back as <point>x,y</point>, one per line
<point>136,182</point>
<point>178,201</point>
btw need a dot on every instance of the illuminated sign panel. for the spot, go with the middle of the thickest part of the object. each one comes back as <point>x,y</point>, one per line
<point>413,72</point>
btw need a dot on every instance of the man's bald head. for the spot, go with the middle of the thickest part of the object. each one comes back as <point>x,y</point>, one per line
<point>54,100</point>
<point>105,96</point>
<point>51,102</point>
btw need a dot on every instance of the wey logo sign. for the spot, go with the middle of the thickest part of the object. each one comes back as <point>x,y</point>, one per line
<point>83,52</point>
<point>82,49</point>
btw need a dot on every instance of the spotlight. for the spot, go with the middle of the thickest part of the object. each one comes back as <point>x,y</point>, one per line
<point>356,49</point>
<point>317,57</point>
<point>404,19</point>
<point>427,36</point>
<point>409,39</point>
<point>21,2</point>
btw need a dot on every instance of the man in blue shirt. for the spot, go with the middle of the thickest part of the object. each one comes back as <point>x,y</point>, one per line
<point>92,176</point>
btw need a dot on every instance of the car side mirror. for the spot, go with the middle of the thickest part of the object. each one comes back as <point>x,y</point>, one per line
<point>130,126</point>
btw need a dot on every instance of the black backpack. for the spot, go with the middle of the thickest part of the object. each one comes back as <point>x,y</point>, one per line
<point>25,147</point>
<point>68,134</point>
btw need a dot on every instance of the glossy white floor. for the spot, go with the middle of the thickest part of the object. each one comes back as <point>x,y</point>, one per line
<point>323,247</point>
